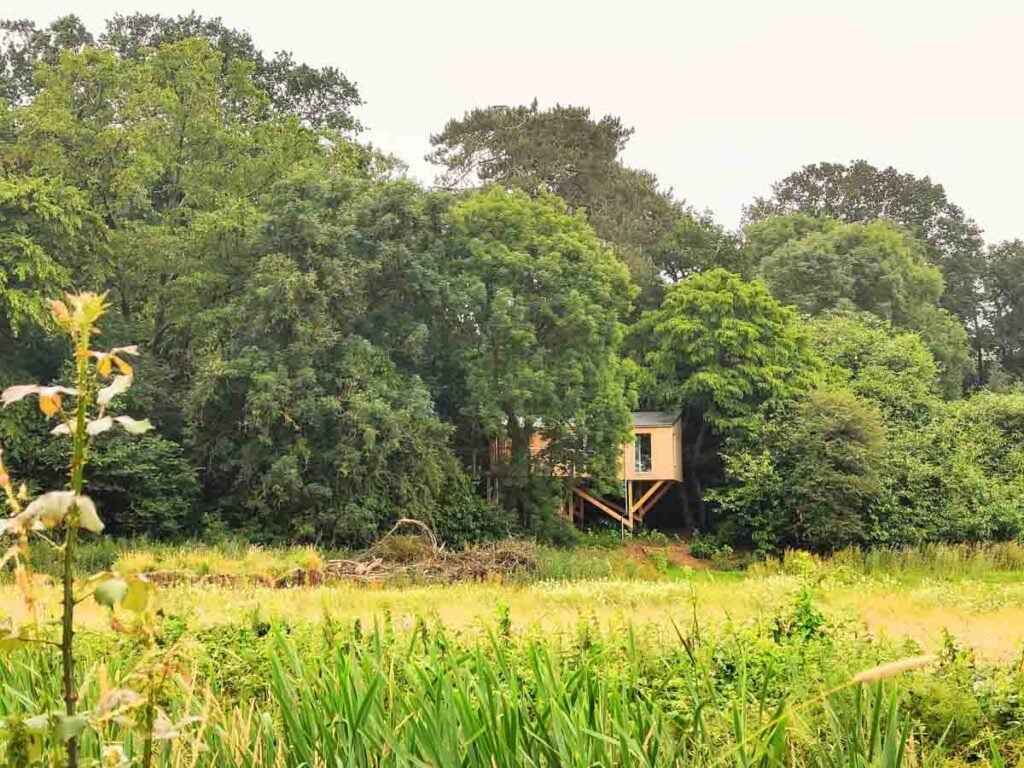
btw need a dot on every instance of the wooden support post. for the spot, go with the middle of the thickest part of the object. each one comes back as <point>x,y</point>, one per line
<point>629,503</point>
<point>612,510</point>
<point>652,500</point>
<point>650,492</point>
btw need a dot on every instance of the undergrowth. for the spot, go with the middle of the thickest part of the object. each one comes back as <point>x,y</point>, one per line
<point>780,690</point>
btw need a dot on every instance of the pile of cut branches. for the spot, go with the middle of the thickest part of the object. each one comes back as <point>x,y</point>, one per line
<point>418,557</point>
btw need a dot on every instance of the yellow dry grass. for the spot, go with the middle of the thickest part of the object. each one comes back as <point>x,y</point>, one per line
<point>988,617</point>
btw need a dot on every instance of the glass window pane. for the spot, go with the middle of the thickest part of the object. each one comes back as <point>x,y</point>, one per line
<point>643,452</point>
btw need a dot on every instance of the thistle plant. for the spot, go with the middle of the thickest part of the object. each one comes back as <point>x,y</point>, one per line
<point>79,414</point>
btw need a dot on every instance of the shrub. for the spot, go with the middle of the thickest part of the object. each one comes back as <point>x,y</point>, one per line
<point>798,563</point>
<point>463,517</point>
<point>704,546</point>
<point>810,476</point>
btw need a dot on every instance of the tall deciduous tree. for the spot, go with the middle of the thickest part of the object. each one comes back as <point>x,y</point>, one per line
<point>561,149</point>
<point>169,154</point>
<point>537,303</point>
<point>1003,287</point>
<point>566,151</point>
<point>303,428</point>
<point>891,368</point>
<point>47,235</point>
<point>23,46</point>
<point>858,192</point>
<point>320,96</point>
<point>874,267</point>
<point>719,349</point>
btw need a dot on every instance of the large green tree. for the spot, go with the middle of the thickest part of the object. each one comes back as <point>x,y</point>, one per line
<point>893,369</point>
<point>565,151</point>
<point>1003,289</point>
<point>858,192</point>
<point>170,150</point>
<point>47,235</point>
<point>302,427</point>
<point>320,96</point>
<point>165,157</point>
<point>719,349</point>
<point>823,265</point>
<point>885,462</point>
<point>23,45</point>
<point>537,304</point>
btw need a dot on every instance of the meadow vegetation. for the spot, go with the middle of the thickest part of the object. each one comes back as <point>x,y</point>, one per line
<point>327,351</point>
<point>659,666</point>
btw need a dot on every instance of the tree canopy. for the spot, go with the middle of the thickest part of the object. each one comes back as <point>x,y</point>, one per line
<point>328,346</point>
<point>858,192</point>
<point>538,305</point>
<point>823,265</point>
<point>720,349</point>
<point>565,151</point>
<point>320,96</point>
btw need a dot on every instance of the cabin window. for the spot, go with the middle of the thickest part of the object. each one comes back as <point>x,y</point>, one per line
<point>643,452</point>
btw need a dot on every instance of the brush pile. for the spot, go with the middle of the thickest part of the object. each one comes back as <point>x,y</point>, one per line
<point>417,557</point>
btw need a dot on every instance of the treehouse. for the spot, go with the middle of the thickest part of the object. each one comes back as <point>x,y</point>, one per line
<point>651,463</point>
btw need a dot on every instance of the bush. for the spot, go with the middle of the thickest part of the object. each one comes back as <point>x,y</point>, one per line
<point>146,486</point>
<point>463,517</point>
<point>703,546</point>
<point>798,563</point>
<point>551,529</point>
<point>959,478</point>
<point>809,475</point>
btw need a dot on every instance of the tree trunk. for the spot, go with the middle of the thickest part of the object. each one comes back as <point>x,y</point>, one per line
<point>689,520</point>
<point>518,470</point>
<point>696,466</point>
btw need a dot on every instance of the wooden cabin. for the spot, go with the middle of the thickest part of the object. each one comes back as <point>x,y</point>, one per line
<point>656,450</point>
<point>651,464</point>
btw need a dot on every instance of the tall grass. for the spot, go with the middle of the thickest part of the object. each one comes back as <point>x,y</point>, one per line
<point>776,693</point>
<point>925,560</point>
<point>936,559</point>
<point>490,707</point>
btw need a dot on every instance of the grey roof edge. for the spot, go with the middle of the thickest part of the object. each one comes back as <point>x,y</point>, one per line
<point>655,418</point>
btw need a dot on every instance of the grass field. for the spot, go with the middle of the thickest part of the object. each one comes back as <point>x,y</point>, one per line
<point>599,656</point>
<point>986,616</point>
<point>981,605</point>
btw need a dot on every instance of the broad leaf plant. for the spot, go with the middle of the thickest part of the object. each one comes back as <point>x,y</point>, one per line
<point>79,414</point>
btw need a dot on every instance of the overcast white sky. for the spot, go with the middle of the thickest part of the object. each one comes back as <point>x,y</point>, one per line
<point>725,96</point>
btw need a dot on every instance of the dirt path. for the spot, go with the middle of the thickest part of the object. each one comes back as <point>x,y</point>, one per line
<point>678,554</point>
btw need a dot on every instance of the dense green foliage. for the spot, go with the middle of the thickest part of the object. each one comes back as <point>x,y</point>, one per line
<point>821,264</point>
<point>860,193</point>
<point>328,348</point>
<point>539,304</point>
<point>893,463</point>
<point>812,483</point>
<point>276,694</point>
<point>719,349</point>
<point>566,152</point>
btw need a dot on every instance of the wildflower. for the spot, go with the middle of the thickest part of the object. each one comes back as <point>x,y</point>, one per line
<point>113,756</point>
<point>107,361</point>
<point>49,397</point>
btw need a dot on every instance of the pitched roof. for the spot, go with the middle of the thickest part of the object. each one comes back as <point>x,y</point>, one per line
<point>655,418</point>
